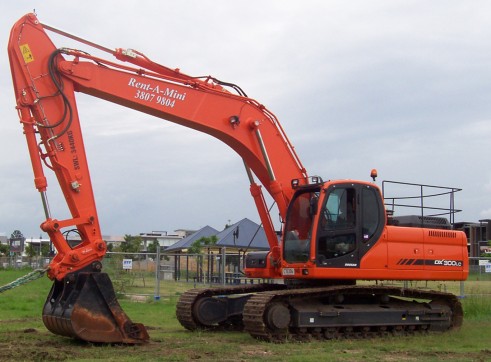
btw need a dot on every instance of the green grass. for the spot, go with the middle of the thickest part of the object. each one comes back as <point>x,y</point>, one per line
<point>24,337</point>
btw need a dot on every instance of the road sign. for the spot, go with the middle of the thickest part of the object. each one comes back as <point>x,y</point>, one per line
<point>127,264</point>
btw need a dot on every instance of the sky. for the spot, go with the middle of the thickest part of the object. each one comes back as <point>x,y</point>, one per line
<point>400,86</point>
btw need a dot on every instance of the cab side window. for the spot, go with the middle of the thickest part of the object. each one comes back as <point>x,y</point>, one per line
<point>370,213</point>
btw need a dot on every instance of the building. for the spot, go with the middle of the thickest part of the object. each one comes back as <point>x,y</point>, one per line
<point>113,241</point>
<point>37,245</point>
<point>163,238</point>
<point>478,236</point>
<point>242,236</point>
<point>183,244</point>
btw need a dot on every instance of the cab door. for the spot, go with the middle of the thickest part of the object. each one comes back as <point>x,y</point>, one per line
<point>350,219</point>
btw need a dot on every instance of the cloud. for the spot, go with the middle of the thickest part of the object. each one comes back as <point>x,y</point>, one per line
<point>485,214</point>
<point>487,185</point>
<point>399,86</point>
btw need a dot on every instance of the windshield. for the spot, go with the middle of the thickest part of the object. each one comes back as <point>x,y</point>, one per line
<point>298,228</point>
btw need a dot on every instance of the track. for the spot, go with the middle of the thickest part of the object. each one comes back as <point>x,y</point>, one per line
<point>273,313</point>
<point>187,305</point>
<point>277,316</point>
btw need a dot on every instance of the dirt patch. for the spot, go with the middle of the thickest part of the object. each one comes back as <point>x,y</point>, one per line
<point>44,346</point>
<point>478,356</point>
<point>138,298</point>
<point>22,351</point>
<point>37,344</point>
<point>249,351</point>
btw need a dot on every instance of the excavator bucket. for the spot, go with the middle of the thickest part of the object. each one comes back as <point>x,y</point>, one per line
<point>84,306</point>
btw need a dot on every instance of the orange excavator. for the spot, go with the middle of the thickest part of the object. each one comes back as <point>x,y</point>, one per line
<point>335,233</point>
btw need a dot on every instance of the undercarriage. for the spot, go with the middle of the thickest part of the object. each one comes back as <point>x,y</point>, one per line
<point>277,313</point>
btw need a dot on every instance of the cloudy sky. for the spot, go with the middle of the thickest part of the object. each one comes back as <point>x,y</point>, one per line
<point>401,86</point>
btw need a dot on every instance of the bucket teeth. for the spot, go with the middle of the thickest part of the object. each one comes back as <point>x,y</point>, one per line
<point>84,306</point>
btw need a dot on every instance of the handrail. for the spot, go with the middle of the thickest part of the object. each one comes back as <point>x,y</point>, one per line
<point>423,197</point>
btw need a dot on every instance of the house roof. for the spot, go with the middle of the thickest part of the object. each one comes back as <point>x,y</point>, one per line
<point>185,243</point>
<point>244,234</point>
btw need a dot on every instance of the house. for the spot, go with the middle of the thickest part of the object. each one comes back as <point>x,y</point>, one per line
<point>242,236</point>
<point>163,238</point>
<point>478,236</point>
<point>186,242</point>
<point>37,245</point>
<point>221,261</point>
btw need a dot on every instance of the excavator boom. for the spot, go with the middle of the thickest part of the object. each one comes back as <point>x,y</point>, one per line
<point>45,78</point>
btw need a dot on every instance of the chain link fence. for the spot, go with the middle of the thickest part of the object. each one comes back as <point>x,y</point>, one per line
<point>35,262</point>
<point>480,268</point>
<point>144,273</point>
<point>153,274</point>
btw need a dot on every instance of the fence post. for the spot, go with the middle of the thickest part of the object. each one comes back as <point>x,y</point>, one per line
<point>157,275</point>
<point>222,271</point>
<point>462,295</point>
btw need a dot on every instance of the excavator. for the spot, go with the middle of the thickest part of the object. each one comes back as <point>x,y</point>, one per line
<point>336,236</point>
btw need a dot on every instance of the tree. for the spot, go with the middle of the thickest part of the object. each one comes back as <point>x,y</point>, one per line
<point>45,250</point>
<point>30,250</point>
<point>4,249</point>
<point>210,240</point>
<point>16,242</point>
<point>197,246</point>
<point>131,244</point>
<point>17,235</point>
<point>152,248</point>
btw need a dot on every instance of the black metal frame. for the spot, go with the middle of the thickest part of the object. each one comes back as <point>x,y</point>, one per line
<point>393,201</point>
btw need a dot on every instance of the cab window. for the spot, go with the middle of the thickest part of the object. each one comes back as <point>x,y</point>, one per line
<point>338,223</point>
<point>298,228</point>
<point>370,213</point>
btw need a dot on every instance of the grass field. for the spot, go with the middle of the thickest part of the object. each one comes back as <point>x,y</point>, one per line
<point>23,336</point>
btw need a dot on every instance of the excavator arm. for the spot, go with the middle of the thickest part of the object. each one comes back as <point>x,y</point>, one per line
<point>45,80</point>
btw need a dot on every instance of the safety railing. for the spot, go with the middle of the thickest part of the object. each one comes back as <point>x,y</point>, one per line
<point>410,203</point>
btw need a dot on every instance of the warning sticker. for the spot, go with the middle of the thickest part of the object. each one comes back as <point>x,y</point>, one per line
<point>26,53</point>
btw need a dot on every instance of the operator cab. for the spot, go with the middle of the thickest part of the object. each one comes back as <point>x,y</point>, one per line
<point>333,224</point>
